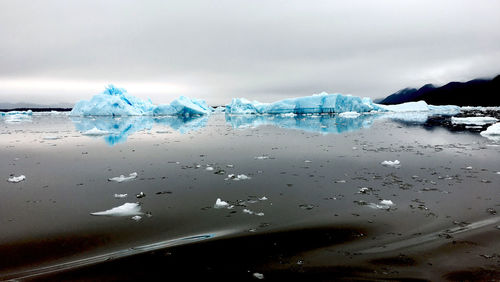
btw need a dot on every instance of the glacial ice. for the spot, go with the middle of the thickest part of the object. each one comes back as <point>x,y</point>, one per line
<point>220,204</point>
<point>16,179</point>
<point>331,103</point>
<point>17,116</point>
<point>118,102</point>
<point>123,178</point>
<point>315,104</point>
<point>127,209</point>
<point>492,132</point>
<point>349,114</point>
<point>473,120</point>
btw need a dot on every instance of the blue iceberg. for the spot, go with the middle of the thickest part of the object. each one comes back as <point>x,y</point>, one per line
<point>315,104</point>
<point>118,102</point>
<point>325,103</point>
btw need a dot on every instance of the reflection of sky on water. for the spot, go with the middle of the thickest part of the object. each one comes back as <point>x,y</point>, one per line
<point>120,128</point>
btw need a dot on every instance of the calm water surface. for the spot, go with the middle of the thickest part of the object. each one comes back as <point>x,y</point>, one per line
<point>310,206</point>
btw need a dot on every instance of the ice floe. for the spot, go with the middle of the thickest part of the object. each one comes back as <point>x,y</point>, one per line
<point>492,132</point>
<point>127,209</point>
<point>119,196</point>
<point>123,178</point>
<point>118,102</point>
<point>16,179</point>
<point>384,205</point>
<point>220,204</point>
<point>237,177</point>
<point>394,163</point>
<point>95,132</point>
<point>473,120</point>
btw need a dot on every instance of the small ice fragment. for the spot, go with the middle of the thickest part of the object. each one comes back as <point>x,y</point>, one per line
<point>308,161</point>
<point>123,178</point>
<point>140,195</point>
<point>137,217</point>
<point>263,157</point>
<point>16,179</point>
<point>263,198</point>
<point>50,137</point>
<point>247,211</point>
<point>364,190</point>
<point>95,132</point>
<point>126,209</point>
<point>219,204</point>
<point>242,177</point>
<point>259,214</point>
<point>349,114</point>
<point>119,196</point>
<point>259,276</point>
<point>468,168</point>
<point>209,168</point>
<point>230,165</point>
<point>387,202</point>
<point>395,163</point>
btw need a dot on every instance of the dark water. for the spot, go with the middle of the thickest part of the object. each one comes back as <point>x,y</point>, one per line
<point>310,209</point>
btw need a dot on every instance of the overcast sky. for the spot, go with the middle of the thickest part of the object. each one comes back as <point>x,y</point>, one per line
<point>63,51</point>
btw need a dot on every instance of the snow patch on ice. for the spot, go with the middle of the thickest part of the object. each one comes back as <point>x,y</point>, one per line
<point>123,178</point>
<point>127,209</point>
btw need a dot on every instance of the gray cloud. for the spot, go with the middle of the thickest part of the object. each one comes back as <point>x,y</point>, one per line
<point>263,50</point>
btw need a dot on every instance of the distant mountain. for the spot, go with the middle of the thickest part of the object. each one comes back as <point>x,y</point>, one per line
<point>14,106</point>
<point>477,92</point>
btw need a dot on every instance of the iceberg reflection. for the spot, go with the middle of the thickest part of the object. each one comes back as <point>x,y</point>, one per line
<point>116,130</point>
<point>312,123</point>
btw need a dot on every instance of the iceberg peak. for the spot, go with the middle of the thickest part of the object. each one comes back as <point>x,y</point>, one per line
<point>114,101</point>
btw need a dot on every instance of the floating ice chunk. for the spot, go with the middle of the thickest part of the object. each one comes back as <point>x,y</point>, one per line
<point>473,120</point>
<point>50,137</point>
<point>220,204</point>
<point>384,205</point>
<point>119,196</point>
<point>349,114</point>
<point>387,202</point>
<point>136,218</point>
<point>127,209</point>
<point>123,178</point>
<point>318,103</point>
<point>95,132</point>
<point>263,198</point>
<point>422,106</point>
<point>395,163</point>
<point>241,177</point>
<point>468,168</point>
<point>492,132</point>
<point>117,102</point>
<point>263,157</point>
<point>259,276</point>
<point>209,168</point>
<point>247,211</point>
<point>16,179</point>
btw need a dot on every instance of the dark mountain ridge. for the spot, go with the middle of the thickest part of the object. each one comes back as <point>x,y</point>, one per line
<point>477,92</point>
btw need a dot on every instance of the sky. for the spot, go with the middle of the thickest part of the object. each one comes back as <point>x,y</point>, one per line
<point>59,51</point>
